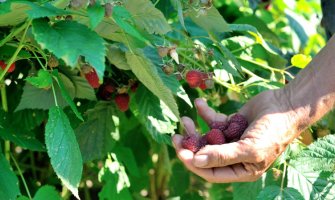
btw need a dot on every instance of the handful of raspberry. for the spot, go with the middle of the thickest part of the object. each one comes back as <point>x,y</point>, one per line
<point>220,133</point>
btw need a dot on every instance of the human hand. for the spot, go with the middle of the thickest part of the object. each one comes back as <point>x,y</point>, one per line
<point>272,127</point>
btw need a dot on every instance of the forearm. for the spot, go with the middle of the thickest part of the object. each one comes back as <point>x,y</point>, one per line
<point>312,93</point>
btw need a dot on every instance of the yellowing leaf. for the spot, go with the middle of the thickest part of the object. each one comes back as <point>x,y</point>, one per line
<point>300,60</point>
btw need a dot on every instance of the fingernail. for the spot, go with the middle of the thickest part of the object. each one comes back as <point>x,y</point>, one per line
<point>200,160</point>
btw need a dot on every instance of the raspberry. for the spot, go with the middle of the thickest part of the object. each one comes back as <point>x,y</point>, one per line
<point>240,119</point>
<point>108,10</point>
<point>106,91</point>
<point>91,76</point>
<point>162,51</point>
<point>234,131</point>
<point>219,125</point>
<point>215,136</point>
<point>3,65</point>
<point>168,69</point>
<point>191,142</point>
<point>134,87</point>
<point>53,62</point>
<point>209,83</point>
<point>202,141</point>
<point>122,101</point>
<point>181,67</point>
<point>203,85</point>
<point>194,78</point>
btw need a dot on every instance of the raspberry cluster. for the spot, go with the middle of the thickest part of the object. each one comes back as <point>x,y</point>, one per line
<point>220,133</point>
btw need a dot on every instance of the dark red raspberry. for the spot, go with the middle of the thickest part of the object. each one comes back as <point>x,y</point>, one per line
<point>215,136</point>
<point>191,142</point>
<point>202,141</point>
<point>122,101</point>
<point>219,125</point>
<point>234,131</point>
<point>240,119</point>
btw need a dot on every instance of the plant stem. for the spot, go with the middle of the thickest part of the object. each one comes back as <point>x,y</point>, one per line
<point>21,45</point>
<point>261,65</point>
<point>21,175</point>
<point>283,178</point>
<point>190,59</point>
<point>54,93</point>
<point>5,108</point>
<point>242,48</point>
<point>156,3</point>
<point>12,34</point>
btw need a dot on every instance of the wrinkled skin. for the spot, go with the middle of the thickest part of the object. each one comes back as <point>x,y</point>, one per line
<point>271,129</point>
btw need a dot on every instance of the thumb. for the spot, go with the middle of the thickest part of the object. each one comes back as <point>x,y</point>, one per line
<point>221,155</point>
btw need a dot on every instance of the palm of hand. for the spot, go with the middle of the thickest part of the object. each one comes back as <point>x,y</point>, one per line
<point>264,140</point>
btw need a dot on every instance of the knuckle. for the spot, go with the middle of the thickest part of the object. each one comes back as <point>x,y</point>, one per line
<point>221,158</point>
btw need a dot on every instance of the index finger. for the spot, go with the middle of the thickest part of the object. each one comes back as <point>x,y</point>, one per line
<point>208,113</point>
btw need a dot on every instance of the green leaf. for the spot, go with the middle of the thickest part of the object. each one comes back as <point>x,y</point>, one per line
<point>116,181</point>
<point>36,98</point>
<point>123,18</point>
<point>126,156</point>
<point>66,95</point>
<point>150,112</point>
<point>95,136</point>
<point>147,16</point>
<point>247,191</point>
<point>28,119</point>
<point>6,52</point>
<point>47,10</point>
<point>312,171</point>
<point>21,139</point>
<point>212,21</point>
<point>235,64</point>
<point>275,193</point>
<point>117,57</point>
<point>47,192</point>
<point>179,8</point>
<point>42,80</point>
<point>221,192</point>
<point>68,40</point>
<point>170,81</point>
<point>5,7</point>
<point>18,135</point>
<point>83,89</point>
<point>9,184</point>
<point>303,27</point>
<point>96,14</point>
<point>180,181</point>
<point>147,73</point>
<point>259,25</point>
<point>109,190</point>
<point>23,198</point>
<point>63,149</point>
<point>300,60</point>
<point>16,16</point>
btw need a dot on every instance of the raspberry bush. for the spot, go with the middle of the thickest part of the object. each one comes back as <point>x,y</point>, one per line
<point>92,91</point>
